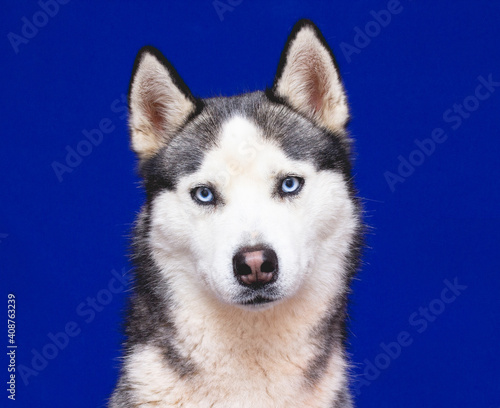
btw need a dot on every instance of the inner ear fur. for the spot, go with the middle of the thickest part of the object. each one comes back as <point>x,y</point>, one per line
<point>159,102</point>
<point>308,78</point>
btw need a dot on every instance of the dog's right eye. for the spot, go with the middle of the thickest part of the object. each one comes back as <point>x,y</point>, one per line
<point>203,195</point>
<point>291,185</point>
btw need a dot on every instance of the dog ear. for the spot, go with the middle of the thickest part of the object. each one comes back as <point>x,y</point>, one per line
<point>308,78</point>
<point>159,102</point>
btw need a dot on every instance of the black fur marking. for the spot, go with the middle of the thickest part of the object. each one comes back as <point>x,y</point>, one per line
<point>343,400</point>
<point>328,336</point>
<point>149,320</point>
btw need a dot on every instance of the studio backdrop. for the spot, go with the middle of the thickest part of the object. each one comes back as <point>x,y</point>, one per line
<point>423,83</point>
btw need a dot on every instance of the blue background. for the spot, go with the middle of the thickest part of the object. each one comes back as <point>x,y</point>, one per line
<point>61,237</point>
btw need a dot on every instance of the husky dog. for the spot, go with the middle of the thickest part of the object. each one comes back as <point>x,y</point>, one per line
<point>248,240</point>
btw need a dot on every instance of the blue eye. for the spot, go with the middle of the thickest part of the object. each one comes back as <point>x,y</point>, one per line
<point>203,195</point>
<point>291,185</point>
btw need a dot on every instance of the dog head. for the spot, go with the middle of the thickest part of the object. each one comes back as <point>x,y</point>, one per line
<point>250,197</point>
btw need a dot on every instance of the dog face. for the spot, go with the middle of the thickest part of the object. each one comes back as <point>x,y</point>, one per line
<point>249,197</point>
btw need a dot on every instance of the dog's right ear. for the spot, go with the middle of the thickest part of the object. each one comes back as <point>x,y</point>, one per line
<point>308,78</point>
<point>159,102</point>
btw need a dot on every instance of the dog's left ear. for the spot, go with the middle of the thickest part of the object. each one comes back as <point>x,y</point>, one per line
<point>308,78</point>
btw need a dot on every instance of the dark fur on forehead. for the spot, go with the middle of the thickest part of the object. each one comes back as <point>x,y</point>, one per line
<point>301,139</point>
<point>298,136</point>
<point>182,156</point>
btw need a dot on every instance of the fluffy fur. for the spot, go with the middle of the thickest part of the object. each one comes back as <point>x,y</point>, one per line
<point>196,337</point>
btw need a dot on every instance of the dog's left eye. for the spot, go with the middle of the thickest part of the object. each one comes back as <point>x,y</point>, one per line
<point>291,185</point>
<point>203,195</point>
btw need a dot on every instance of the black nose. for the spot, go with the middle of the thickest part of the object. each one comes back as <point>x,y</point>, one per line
<point>255,267</point>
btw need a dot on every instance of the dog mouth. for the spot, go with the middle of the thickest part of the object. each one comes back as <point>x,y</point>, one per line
<point>263,298</point>
<point>258,300</point>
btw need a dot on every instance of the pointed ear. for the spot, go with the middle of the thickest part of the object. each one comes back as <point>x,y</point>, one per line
<point>308,78</point>
<point>159,102</point>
